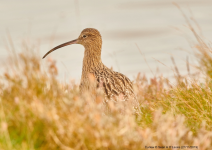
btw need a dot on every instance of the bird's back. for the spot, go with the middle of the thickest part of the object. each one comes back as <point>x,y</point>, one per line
<point>116,86</point>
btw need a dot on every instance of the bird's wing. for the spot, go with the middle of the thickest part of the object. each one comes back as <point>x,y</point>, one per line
<point>114,83</point>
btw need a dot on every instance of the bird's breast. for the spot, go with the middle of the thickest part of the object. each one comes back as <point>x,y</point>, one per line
<point>88,81</point>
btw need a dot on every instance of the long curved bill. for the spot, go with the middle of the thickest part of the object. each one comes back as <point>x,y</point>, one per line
<point>59,46</point>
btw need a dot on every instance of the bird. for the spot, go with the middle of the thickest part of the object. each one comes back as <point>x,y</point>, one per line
<point>95,75</point>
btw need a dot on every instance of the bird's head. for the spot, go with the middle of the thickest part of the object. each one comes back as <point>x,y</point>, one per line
<point>89,38</point>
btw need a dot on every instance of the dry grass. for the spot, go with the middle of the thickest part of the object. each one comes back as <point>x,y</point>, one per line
<point>38,112</point>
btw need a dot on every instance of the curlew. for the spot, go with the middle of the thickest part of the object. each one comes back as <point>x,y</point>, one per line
<point>114,84</point>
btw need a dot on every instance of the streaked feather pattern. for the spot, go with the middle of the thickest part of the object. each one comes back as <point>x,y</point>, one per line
<point>114,84</point>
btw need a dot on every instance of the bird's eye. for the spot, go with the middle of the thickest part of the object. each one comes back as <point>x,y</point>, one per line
<point>84,36</point>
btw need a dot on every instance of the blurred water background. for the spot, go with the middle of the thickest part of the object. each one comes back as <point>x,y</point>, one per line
<point>125,25</point>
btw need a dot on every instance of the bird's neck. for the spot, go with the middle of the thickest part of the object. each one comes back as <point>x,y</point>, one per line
<point>91,62</point>
<point>92,58</point>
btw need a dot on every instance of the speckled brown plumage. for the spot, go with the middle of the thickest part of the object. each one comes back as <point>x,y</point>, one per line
<point>94,73</point>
